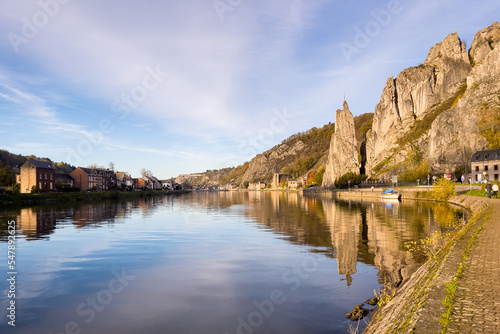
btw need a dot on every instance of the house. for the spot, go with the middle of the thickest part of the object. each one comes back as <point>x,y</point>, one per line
<point>485,165</point>
<point>140,183</point>
<point>64,180</point>
<point>36,173</point>
<point>93,179</point>
<point>168,185</point>
<point>123,180</point>
<point>293,184</point>
<point>152,182</point>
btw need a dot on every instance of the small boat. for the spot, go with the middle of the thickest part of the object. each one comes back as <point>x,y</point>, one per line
<point>391,194</point>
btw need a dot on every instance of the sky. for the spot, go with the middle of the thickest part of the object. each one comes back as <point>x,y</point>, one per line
<point>179,87</point>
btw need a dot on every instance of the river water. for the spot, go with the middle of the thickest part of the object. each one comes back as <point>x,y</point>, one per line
<point>222,262</point>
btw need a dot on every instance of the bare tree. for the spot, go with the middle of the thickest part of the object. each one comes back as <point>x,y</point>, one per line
<point>146,172</point>
<point>111,166</point>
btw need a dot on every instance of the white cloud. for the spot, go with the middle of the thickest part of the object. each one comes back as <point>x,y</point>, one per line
<point>223,76</point>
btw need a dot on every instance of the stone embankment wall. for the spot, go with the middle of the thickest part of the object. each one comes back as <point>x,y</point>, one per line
<point>417,306</point>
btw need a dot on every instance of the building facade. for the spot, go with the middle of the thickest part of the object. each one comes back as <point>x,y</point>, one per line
<point>293,184</point>
<point>485,165</point>
<point>93,179</point>
<point>36,174</point>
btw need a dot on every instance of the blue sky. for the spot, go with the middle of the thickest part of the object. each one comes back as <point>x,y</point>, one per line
<point>186,86</point>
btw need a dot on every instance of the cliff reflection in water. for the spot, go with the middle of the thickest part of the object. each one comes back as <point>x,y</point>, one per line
<point>351,232</point>
<point>371,233</point>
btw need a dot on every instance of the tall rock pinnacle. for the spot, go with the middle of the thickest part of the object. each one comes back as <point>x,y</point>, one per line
<point>343,154</point>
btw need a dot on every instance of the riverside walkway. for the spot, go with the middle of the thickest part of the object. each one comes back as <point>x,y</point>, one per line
<point>477,300</point>
<point>418,306</point>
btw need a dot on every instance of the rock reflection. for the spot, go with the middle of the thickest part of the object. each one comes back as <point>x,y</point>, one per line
<point>352,232</point>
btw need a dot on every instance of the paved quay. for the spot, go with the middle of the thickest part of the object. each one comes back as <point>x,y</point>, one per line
<point>417,306</point>
<point>477,300</point>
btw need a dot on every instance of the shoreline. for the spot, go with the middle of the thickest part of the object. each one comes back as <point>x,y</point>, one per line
<point>7,200</point>
<point>417,305</point>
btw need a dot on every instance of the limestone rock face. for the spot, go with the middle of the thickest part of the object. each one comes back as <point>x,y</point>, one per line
<point>455,134</point>
<point>413,93</point>
<point>483,42</point>
<point>343,154</point>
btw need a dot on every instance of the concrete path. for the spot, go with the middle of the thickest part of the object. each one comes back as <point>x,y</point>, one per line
<point>477,300</point>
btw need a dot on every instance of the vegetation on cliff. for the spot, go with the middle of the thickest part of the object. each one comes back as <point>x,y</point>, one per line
<point>310,154</point>
<point>489,125</point>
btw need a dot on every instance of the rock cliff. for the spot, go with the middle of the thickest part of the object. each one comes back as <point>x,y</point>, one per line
<point>343,153</point>
<point>433,112</point>
<point>433,116</point>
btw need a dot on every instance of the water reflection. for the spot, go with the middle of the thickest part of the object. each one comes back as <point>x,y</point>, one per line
<point>201,260</point>
<point>352,232</point>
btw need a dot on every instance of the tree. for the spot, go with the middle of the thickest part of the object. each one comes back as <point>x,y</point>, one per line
<point>318,178</point>
<point>6,175</point>
<point>283,182</point>
<point>443,189</point>
<point>354,178</point>
<point>146,172</point>
<point>111,166</point>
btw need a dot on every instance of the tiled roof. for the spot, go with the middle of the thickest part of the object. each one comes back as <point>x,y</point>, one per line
<point>481,155</point>
<point>41,164</point>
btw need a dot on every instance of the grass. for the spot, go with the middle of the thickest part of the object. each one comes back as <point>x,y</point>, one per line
<point>476,192</point>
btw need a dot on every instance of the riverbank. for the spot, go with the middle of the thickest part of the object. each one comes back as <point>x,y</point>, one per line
<point>438,298</point>
<point>91,196</point>
<point>413,193</point>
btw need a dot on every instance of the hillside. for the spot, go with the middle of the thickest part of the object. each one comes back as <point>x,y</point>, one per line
<point>9,162</point>
<point>295,156</point>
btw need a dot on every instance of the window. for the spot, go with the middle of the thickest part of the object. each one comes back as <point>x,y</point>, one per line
<point>495,167</point>
<point>486,157</point>
<point>496,176</point>
<point>45,176</point>
<point>477,168</point>
<point>40,185</point>
<point>477,157</point>
<point>51,176</point>
<point>40,176</point>
<point>486,167</point>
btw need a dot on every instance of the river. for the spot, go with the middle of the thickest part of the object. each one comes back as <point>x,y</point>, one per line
<point>207,262</point>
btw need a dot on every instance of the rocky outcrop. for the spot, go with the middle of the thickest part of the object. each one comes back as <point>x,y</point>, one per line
<point>456,134</point>
<point>484,42</point>
<point>343,154</point>
<point>432,97</point>
<point>263,165</point>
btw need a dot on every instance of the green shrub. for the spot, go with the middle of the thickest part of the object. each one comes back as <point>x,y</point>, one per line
<point>417,172</point>
<point>443,189</point>
<point>343,181</point>
<point>318,178</point>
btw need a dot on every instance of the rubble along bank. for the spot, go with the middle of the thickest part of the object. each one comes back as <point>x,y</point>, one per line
<point>417,305</point>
